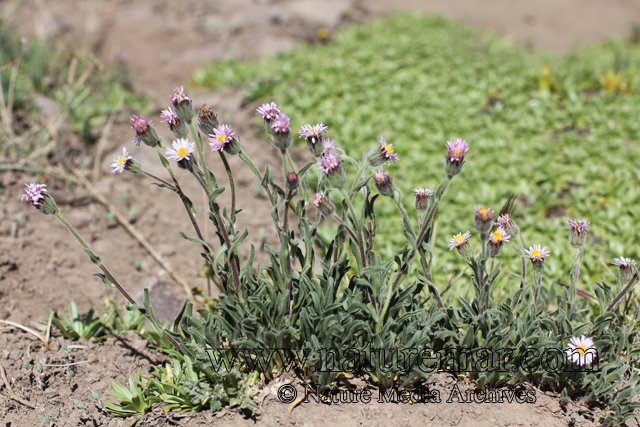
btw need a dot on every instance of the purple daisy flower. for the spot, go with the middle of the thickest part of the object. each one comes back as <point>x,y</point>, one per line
<point>578,232</point>
<point>456,151</point>
<point>482,218</point>
<point>496,239</point>
<point>281,124</point>
<point>422,198</point>
<point>182,104</point>
<point>384,154</point>
<point>177,127</point>
<point>313,137</point>
<point>145,132</point>
<point>34,193</point>
<point>221,136</point>
<point>268,111</point>
<point>537,255</point>
<point>120,163</point>
<point>331,165</point>
<point>182,150</point>
<point>461,243</point>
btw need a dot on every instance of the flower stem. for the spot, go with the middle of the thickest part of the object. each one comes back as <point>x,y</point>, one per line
<point>113,280</point>
<point>205,169</point>
<point>232,185</point>
<point>360,240</point>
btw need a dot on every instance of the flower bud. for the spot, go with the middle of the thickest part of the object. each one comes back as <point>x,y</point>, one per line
<point>383,154</point>
<point>37,195</point>
<point>384,182</point>
<point>627,266</point>
<point>507,223</point>
<point>482,217</point>
<point>331,165</point>
<point>207,120</point>
<point>313,137</point>
<point>422,198</point>
<point>454,162</point>
<point>183,105</point>
<point>145,132</point>
<point>281,132</point>
<point>177,127</point>
<point>578,232</point>
<point>324,205</point>
<point>496,239</point>
<point>292,181</point>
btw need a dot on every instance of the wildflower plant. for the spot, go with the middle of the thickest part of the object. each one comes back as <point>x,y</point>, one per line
<point>291,312</point>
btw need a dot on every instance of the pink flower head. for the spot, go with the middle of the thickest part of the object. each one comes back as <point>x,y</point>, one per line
<point>536,253</point>
<point>313,133</point>
<point>120,163</point>
<point>144,131</point>
<point>182,150</point>
<point>324,205</point>
<point>385,152</point>
<point>169,115</point>
<point>140,123</point>
<point>461,243</point>
<point>384,182</point>
<point>268,111</point>
<point>507,223</point>
<point>482,218</point>
<point>456,150</point>
<point>221,136</point>
<point>499,236</point>
<point>178,96</point>
<point>329,147</point>
<point>329,163</point>
<point>34,193</point>
<point>281,124</point>
<point>627,265</point>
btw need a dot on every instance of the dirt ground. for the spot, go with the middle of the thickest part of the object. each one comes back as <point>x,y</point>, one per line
<point>161,42</point>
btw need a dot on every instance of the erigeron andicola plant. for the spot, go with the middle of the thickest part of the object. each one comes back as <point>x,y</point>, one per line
<point>358,300</point>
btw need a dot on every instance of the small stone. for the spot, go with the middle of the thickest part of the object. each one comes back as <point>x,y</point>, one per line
<point>308,424</point>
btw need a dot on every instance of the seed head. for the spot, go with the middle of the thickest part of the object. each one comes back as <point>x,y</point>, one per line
<point>207,120</point>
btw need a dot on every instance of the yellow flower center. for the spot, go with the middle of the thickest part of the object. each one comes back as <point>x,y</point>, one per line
<point>582,349</point>
<point>388,149</point>
<point>182,152</point>
<point>497,236</point>
<point>536,253</point>
<point>121,161</point>
<point>484,211</point>
<point>456,152</point>
<point>458,238</point>
<point>221,138</point>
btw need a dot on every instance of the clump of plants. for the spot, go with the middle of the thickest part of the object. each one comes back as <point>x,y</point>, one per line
<point>351,311</point>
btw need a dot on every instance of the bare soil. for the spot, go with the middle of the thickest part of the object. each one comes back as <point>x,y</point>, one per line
<point>161,42</point>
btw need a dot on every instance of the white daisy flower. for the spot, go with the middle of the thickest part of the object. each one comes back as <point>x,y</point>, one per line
<point>120,163</point>
<point>182,149</point>
<point>581,351</point>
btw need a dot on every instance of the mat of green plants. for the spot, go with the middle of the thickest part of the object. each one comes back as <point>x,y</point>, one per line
<point>560,131</point>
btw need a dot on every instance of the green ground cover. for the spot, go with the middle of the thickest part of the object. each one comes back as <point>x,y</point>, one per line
<point>561,131</point>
